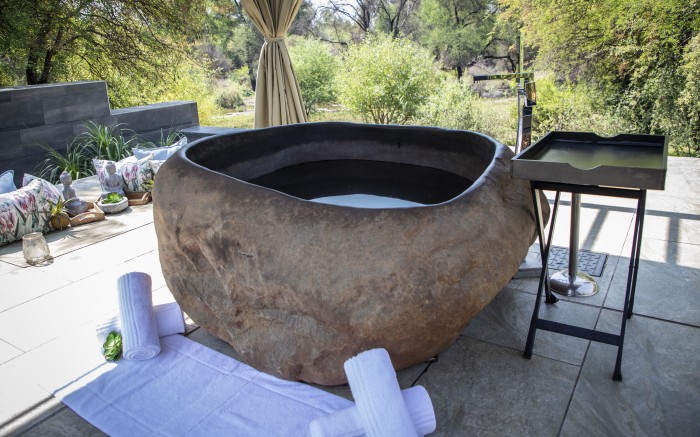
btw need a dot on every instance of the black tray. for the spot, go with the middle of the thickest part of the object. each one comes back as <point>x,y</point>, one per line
<point>584,158</point>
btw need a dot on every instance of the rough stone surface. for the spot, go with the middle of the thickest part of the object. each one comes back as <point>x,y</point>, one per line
<point>298,287</point>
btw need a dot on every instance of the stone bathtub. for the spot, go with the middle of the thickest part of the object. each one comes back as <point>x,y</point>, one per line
<point>297,286</point>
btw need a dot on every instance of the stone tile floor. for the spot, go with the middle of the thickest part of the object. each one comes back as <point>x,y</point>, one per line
<point>480,385</point>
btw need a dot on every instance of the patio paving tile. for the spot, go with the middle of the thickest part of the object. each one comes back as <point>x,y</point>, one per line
<point>101,255</point>
<point>664,266</point>
<point>23,285</point>
<point>6,267</point>
<point>80,302</point>
<point>672,219</point>
<point>602,228</point>
<point>660,391</point>
<point>8,352</point>
<point>487,390</point>
<point>64,423</point>
<point>506,320</point>
<point>612,265</point>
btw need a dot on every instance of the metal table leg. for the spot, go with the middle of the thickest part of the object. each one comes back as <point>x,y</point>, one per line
<point>545,246</point>
<point>571,282</point>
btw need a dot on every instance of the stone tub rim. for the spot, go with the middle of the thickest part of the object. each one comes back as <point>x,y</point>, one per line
<point>497,146</point>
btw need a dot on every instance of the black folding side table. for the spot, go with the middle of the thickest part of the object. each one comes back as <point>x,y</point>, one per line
<point>623,166</point>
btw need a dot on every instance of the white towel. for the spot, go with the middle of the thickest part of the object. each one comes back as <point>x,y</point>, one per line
<point>380,405</point>
<point>187,390</point>
<point>139,329</point>
<point>347,423</point>
<point>169,319</point>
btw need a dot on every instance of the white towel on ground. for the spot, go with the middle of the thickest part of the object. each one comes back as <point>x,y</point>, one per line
<point>188,389</point>
<point>380,405</point>
<point>347,423</point>
<point>169,319</point>
<point>139,329</point>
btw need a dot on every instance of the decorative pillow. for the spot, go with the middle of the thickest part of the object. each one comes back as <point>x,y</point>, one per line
<point>7,182</point>
<point>155,165</point>
<point>160,153</point>
<point>135,173</point>
<point>27,210</point>
<point>27,178</point>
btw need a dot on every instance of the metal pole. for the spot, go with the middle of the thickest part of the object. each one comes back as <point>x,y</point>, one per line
<point>571,282</point>
<point>573,235</point>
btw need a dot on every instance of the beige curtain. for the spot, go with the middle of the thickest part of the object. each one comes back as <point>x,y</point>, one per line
<point>277,95</point>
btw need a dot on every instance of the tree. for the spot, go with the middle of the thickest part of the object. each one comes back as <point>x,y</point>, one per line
<point>632,52</point>
<point>386,80</point>
<point>388,16</point>
<point>130,36</point>
<point>315,68</point>
<point>462,32</point>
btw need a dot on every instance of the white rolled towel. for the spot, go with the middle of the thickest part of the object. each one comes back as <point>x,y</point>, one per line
<point>139,329</point>
<point>347,423</point>
<point>380,405</point>
<point>169,319</point>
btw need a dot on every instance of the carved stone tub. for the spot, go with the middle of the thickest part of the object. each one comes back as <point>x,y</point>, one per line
<point>297,287</point>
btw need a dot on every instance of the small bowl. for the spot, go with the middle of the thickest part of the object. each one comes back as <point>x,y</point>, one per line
<point>111,208</point>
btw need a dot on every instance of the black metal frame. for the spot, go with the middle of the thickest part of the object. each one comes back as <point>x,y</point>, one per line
<point>545,245</point>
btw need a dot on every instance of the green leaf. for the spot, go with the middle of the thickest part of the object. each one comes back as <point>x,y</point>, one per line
<point>112,347</point>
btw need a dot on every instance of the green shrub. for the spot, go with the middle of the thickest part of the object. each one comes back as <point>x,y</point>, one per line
<point>316,69</point>
<point>686,139</point>
<point>231,97</point>
<point>568,107</point>
<point>386,80</point>
<point>451,106</point>
<point>105,142</point>
<point>77,161</point>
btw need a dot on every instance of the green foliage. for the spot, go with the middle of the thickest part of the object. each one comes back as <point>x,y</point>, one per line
<point>459,32</point>
<point>76,161</point>
<point>167,138</point>
<point>686,139</point>
<point>315,68</point>
<point>636,55</point>
<point>113,198</point>
<point>452,107</point>
<point>112,347</point>
<point>105,142</point>
<point>135,38</point>
<point>386,80</point>
<point>231,97</point>
<point>570,107</point>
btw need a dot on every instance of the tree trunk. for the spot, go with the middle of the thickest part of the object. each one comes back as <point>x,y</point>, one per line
<point>460,71</point>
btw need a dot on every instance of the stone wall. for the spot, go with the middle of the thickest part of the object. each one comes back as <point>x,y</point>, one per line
<point>54,114</point>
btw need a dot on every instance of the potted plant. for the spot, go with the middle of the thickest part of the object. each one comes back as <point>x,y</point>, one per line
<point>113,202</point>
<point>59,214</point>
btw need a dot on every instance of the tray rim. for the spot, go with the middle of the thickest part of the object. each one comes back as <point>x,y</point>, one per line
<point>522,164</point>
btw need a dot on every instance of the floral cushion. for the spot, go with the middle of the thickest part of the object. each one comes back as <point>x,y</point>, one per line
<point>134,172</point>
<point>7,183</point>
<point>27,210</point>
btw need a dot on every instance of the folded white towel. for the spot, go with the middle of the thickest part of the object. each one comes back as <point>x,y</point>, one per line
<point>169,319</point>
<point>347,423</point>
<point>380,405</point>
<point>139,329</point>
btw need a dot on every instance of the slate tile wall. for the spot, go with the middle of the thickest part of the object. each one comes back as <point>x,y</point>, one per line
<point>54,114</point>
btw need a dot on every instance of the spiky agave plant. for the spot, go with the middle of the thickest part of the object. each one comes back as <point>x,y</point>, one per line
<point>77,160</point>
<point>104,142</point>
